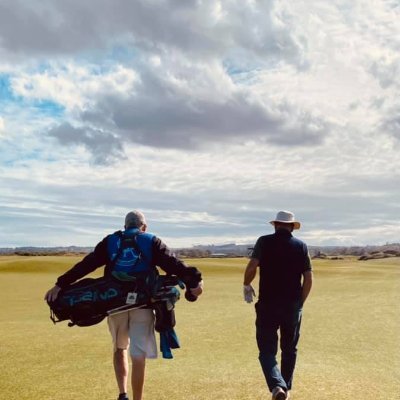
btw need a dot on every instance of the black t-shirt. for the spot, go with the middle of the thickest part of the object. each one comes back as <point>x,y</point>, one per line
<point>282,259</point>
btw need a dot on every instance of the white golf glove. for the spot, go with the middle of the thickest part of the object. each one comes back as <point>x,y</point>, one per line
<point>248,293</point>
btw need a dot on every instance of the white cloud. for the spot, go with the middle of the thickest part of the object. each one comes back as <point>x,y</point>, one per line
<point>191,105</point>
<point>210,116</point>
<point>262,30</point>
<point>370,235</point>
<point>74,86</point>
<point>2,126</point>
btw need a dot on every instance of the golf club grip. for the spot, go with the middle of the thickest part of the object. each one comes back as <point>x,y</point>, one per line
<point>189,296</point>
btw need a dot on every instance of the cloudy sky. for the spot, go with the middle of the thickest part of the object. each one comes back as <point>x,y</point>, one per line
<point>207,115</point>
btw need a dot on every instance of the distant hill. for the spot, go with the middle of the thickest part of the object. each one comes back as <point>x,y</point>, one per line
<point>234,250</point>
<point>38,251</point>
<point>363,252</point>
<point>226,250</point>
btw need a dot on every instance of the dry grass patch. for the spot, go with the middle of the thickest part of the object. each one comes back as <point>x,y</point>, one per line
<point>349,346</point>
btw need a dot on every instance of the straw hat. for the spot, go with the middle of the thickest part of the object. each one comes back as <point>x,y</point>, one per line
<point>286,217</point>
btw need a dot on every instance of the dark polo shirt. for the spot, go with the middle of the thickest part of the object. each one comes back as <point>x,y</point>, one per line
<point>282,260</point>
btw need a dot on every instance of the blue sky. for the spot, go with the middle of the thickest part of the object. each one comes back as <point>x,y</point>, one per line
<point>209,116</point>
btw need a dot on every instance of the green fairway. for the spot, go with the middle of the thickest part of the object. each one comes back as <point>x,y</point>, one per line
<point>349,348</point>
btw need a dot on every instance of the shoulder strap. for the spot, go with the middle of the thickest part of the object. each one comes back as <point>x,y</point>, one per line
<point>119,252</point>
<point>133,243</point>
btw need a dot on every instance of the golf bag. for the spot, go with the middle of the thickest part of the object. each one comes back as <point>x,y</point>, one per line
<point>88,301</point>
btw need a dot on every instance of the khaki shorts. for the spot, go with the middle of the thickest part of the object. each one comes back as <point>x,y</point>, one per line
<point>134,329</point>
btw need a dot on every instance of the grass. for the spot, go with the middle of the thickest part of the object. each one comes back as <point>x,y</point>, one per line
<point>349,347</point>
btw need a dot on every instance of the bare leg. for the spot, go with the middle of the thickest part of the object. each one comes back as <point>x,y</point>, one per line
<point>138,370</point>
<point>121,368</point>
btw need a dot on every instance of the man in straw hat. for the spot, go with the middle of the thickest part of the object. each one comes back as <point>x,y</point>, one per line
<point>285,283</point>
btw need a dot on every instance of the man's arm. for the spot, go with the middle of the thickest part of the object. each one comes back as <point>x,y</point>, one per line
<point>168,262</point>
<point>307,275</point>
<point>249,275</point>
<point>94,260</point>
<point>307,285</point>
<point>251,271</point>
<point>166,259</point>
<point>97,258</point>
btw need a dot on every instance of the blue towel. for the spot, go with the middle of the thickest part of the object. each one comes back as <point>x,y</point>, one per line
<point>168,340</point>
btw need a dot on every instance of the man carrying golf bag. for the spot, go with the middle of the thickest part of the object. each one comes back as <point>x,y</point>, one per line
<point>127,255</point>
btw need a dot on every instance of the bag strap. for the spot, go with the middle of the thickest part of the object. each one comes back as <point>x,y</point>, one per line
<point>119,253</point>
<point>121,249</point>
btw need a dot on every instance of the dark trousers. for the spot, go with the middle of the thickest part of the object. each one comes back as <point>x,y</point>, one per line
<point>287,319</point>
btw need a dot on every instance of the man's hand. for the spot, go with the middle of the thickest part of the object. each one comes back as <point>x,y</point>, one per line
<point>249,275</point>
<point>248,293</point>
<point>52,294</point>
<point>197,291</point>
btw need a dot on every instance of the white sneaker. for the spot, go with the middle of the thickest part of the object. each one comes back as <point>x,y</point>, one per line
<point>278,394</point>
